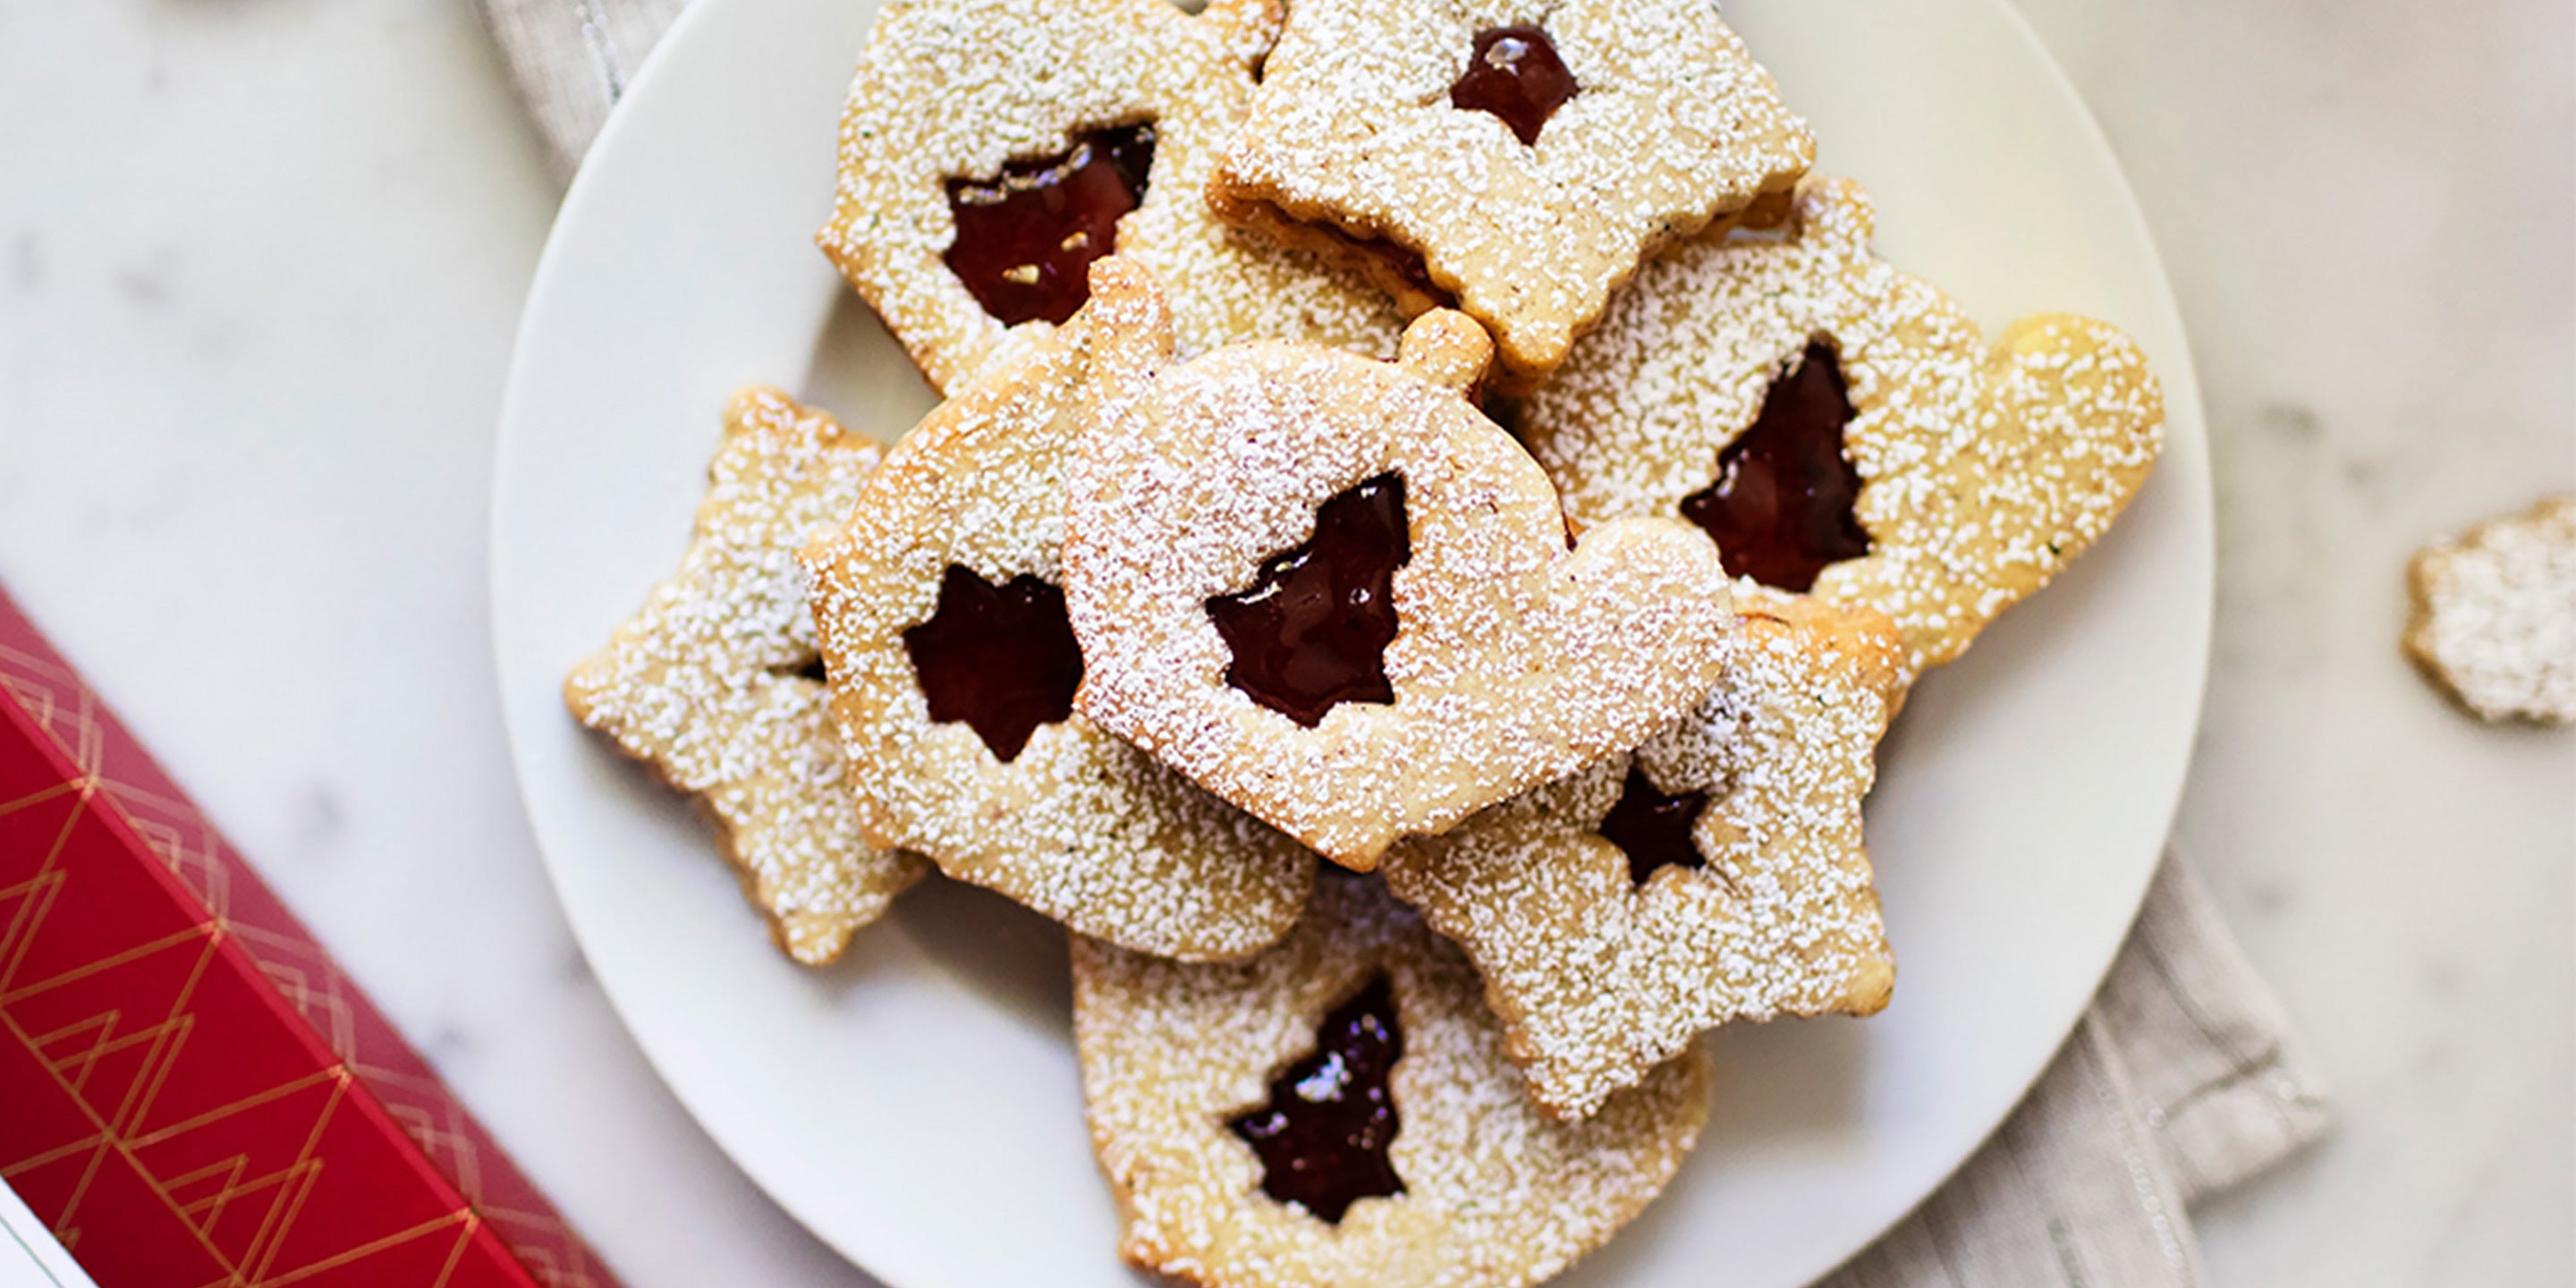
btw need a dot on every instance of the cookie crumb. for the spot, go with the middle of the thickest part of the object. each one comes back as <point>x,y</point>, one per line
<point>2495,615</point>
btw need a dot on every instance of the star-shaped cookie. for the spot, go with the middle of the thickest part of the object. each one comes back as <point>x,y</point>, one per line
<point>716,684</point>
<point>1716,875</point>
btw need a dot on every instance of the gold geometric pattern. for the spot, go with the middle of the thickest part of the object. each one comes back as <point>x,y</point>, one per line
<point>194,1094</point>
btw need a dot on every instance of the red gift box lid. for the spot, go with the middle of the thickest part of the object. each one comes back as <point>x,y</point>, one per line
<point>191,1092</point>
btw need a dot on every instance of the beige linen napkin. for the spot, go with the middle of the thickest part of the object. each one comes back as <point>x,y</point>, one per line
<point>2181,1081</point>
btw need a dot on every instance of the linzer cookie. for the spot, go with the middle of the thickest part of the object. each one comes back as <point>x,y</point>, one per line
<point>1517,158</point>
<point>1335,594</point>
<point>1338,1111</point>
<point>717,686</point>
<point>991,149</point>
<point>1716,875</point>
<point>2495,615</point>
<point>953,673</point>
<point>1840,427</point>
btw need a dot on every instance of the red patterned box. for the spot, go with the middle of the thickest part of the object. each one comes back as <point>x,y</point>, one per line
<point>191,1093</point>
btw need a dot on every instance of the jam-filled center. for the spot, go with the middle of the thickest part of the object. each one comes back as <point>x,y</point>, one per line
<point>1653,829</point>
<point>1781,508</point>
<point>1026,239</point>
<point>1313,629</point>
<point>1323,1137</point>
<point>1514,73</point>
<point>1001,658</point>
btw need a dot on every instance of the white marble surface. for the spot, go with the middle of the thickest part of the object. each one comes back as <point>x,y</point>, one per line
<point>259,266</point>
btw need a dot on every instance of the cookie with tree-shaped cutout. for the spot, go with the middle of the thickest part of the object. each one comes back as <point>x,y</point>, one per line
<point>991,149</point>
<point>1716,875</point>
<point>1842,428</point>
<point>953,673</point>
<point>716,683</point>
<point>1332,592</point>
<point>1339,1111</point>
<point>1516,158</point>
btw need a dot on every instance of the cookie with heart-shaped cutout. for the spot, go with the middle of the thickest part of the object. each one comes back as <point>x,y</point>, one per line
<point>991,149</point>
<point>1338,1111</point>
<point>716,684</point>
<point>953,672</point>
<point>1716,875</point>
<point>1517,158</point>
<point>1332,592</point>
<point>1841,427</point>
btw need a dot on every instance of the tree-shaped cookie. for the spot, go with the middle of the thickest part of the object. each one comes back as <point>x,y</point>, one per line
<point>991,149</point>
<point>1716,875</point>
<point>953,673</point>
<point>1338,1111</point>
<point>1516,157</point>
<point>715,682</point>
<point>1332,592</point>
<point>1843,428</point>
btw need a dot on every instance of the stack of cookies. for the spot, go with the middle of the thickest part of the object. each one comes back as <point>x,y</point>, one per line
<point>1433,512</point>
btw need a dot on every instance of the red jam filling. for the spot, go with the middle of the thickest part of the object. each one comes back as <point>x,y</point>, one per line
<point>1781,508</point>
<point>1515,74</point>
<point>1001,658</point>
<point>1025,240</point>
<point>1323,1137</point>
<point>1654,829</point>
<point>1312,631</point>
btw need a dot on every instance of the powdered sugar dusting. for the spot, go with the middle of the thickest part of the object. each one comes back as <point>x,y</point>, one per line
<point>703,683</point>
<point>1515,662</point>
<point>1079,826</point>
<point>2495,615</point>
<point>1496,1195</point>
<point>955,88</point>
<point>1599,980</point>
<point>1984,470</point>
<point>1674,125</point>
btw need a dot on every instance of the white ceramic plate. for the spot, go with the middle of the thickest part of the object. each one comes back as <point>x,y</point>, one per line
<point>917,1105</point>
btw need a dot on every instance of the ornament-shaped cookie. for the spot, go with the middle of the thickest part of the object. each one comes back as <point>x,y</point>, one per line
<point>2495,615</point>
<point>1332,592</point>
<point>715,683</point>
<point>991,149</point>
<point>1338,1111</point>
<point>1516,157</point>
<point>1716,875</point>
<point>953,673</point>
<point>1840,427</point>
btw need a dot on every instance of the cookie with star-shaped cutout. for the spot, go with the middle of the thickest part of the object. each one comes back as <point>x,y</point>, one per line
<point>1841,427</point>
<point>715,683</point>
<point>1332,592</point>
<point>1718,874</point>
<point>953,672</point>
<point>1513,157</point>
<point>991,149</point>
<point>1338,1111</point>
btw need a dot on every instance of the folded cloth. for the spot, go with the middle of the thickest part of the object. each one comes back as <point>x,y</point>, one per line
<point>571,59</point>
<point>2181,1081</point>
